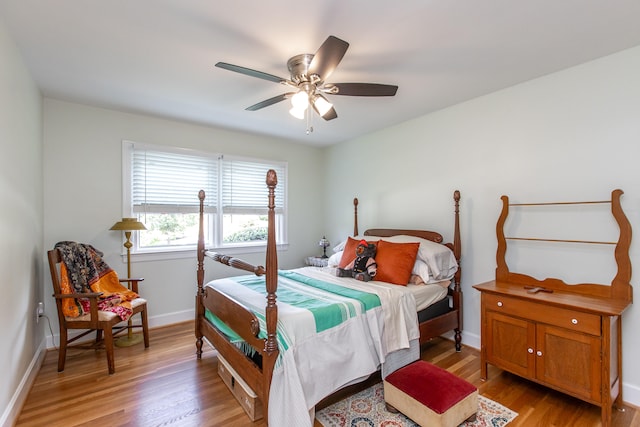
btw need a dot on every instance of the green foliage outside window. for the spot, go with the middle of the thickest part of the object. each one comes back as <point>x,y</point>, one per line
<point>248,235</point>
<point>248,228</point>
<point>168,229</point>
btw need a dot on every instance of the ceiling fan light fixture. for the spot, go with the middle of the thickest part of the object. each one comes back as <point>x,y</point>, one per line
<point>298,113</point>
<point>300,100</point>
<point>322,104</point>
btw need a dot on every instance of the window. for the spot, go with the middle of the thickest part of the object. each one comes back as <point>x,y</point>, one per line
<point>161,190</point>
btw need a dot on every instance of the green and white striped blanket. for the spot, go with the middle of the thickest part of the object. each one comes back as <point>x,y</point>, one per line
<point>330,331</point>
<point>329,304</point>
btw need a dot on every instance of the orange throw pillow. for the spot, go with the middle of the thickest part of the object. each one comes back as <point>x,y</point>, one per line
<point>349,254</point>
<point>395,261</point>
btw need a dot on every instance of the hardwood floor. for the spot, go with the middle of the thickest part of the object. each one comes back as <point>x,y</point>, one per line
<point>166,385</point>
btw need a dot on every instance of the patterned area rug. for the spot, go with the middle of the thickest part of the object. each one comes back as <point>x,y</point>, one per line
<point>367,409</point>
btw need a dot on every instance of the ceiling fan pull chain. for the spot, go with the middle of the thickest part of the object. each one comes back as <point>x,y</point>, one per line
<point>309,121</point>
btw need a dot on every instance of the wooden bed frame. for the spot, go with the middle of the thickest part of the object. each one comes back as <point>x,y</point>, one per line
<point>257,374</point>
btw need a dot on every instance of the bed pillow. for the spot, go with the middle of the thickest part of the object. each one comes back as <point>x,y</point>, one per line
<point>395,261</point>
<point>340,246</point>
<point>440,259</point>
<point>421,269</point>
<point>349,251</point>
<point>334,260</point>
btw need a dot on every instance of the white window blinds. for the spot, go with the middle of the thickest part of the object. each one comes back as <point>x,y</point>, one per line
<point>244,188</point>
<point>169,181</point>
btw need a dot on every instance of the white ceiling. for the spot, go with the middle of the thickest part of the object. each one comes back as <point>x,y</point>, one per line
<point>157,56</point>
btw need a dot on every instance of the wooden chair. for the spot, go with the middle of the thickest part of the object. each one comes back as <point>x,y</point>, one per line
<point>96,320</point>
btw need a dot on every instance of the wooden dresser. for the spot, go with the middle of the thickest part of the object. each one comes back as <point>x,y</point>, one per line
<point>567,337</point>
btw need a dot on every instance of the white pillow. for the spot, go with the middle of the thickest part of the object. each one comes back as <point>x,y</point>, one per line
<point>340,246</point>
<point>438,257</point>
<point>334,260</point>
<point>420,268</point>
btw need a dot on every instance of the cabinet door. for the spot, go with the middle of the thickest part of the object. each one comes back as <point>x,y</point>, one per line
<point>510,343</point>
<point>569,361</point>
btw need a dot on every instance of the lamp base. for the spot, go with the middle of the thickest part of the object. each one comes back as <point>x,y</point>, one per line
<point>128,340</point>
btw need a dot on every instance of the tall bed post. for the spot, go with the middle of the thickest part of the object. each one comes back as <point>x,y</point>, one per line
<point>457,252</point>
<point>200,277</point>
<point>355,216</point>
<point>270,346</point>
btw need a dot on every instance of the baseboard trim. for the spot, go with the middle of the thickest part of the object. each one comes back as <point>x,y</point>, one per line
<point>154,322</point>
<point>470,340</point>
<point>631,394</point>
<point>11,413</point>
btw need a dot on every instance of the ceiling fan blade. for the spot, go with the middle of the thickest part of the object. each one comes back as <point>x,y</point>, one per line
<point>364,89</point>
<point>327,58</point>
<point>250,72</point>
<point>269,101</point>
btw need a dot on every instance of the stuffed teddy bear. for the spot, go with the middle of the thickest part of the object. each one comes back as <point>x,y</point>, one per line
<point>364,266</point>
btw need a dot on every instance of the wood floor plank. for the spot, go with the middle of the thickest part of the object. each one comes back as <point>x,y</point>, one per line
<point>166,385</point>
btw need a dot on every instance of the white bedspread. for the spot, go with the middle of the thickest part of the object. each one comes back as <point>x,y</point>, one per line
<point>317,364</point>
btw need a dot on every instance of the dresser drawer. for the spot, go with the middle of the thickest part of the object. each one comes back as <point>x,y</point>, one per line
<point>541,313</point>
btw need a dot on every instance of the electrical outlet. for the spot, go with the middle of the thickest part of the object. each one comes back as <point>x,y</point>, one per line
<point>39,311</point>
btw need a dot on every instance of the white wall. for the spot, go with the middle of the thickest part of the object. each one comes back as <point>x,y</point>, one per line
<point>572,135</point>
<point>21,339</point>
<point>83,194</point>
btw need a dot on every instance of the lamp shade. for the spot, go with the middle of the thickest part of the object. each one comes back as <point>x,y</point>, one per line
<point>322,104</point>
<point>128,224</point>
<point>323,242</point>
<point>297,113</point>
<point>300,100</point>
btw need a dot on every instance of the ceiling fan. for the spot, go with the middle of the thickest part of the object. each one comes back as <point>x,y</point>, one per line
<point>309,74</point>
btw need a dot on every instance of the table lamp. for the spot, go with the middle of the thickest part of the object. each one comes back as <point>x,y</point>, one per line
<point>128,225</point>
<point>324,243</point>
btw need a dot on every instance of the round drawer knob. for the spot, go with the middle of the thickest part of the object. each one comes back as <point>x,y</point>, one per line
<point>499,303</point>
<point>574,321</point>
<point>530,350</point>
<point>539,353</point>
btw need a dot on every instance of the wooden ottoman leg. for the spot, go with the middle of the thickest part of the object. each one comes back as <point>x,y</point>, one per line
<point>391,408</point>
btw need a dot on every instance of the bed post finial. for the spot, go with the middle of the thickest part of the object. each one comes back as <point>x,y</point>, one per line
<point>355,216</point>
<point>272,179</point>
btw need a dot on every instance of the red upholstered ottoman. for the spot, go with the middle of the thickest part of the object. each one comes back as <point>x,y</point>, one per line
<point>430,396</point>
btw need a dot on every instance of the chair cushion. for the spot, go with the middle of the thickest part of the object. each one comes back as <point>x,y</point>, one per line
<point>138,302</point>
<point>105,316</point>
